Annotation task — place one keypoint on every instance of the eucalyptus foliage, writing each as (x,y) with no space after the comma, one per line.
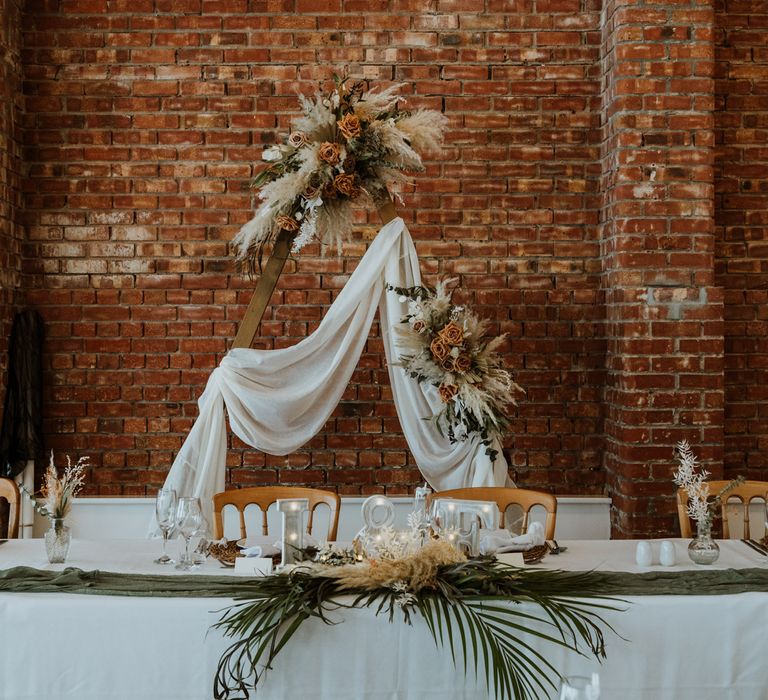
(473,609)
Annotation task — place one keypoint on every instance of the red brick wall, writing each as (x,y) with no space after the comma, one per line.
(143,122)
(742,228)
(10,172)
(582,200)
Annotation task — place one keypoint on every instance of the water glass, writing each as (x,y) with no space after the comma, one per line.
(189,518)
(580,688)
(165,512)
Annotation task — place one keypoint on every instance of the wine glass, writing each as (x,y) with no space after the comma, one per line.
(165,512)
(580,688)
(189,517)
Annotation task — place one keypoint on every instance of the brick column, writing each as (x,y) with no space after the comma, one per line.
(664,314)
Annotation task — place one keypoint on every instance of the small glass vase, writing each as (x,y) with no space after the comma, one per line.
(57,540)
(703,549)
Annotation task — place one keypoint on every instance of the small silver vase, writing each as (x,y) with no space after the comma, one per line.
(57,540)
(703,549)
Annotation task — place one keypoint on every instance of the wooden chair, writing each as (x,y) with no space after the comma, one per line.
(744,494)
(10,492)
(504,497)
(265,496)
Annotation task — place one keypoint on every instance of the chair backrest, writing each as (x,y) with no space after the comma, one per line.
(265,496)
(10,492)
(744,493)
(504,497)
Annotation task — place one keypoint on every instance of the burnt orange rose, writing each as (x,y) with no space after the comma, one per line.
(346,185)
(419,326)
(350,126)
(448,364)
(439,349)
(447,392)
(451,334)
(287,223)
(329,153)
(462,363)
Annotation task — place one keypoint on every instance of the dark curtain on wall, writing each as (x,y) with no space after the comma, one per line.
(21,433)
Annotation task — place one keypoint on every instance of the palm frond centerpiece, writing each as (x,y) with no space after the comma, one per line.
(474,608)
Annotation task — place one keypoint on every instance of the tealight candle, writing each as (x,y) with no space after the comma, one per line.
(292,539)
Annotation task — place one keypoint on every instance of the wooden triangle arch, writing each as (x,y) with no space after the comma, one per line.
(268,280)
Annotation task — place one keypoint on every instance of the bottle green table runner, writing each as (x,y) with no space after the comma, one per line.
(24,579)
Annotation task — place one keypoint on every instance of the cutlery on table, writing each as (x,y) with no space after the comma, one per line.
(554,547)
(754,546)
(760,546)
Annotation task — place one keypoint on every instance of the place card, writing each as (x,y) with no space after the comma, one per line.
(511,558)
(253,566)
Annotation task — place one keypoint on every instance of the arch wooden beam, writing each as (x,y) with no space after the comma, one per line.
(246,332)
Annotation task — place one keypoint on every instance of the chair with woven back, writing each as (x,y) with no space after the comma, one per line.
(527,499)
(743,493)
(265,496)
(10,493)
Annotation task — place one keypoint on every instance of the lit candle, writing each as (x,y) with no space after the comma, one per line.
(292,539)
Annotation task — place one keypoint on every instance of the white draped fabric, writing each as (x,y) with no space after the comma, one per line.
(277,400)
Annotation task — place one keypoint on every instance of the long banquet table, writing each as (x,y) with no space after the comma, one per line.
(95,647)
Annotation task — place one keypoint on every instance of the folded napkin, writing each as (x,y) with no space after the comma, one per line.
(504,541)
(270,550)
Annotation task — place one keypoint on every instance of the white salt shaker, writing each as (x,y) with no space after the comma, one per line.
(643,554)
(667,556)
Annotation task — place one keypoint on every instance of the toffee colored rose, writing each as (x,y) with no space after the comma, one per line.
(346,185)
(462,363)
(447,392)
(451,334)
(439,349)
(350,126)
(287,223)
(310,192)
(297,139)
(329,153)
(419,326)
(448,364)
(329,192)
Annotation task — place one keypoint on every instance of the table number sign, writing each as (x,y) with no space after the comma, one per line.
(460,521)
(292,538)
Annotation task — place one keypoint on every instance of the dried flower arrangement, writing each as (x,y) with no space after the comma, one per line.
(57,493)
(350,143)
(701,507)
(444,345)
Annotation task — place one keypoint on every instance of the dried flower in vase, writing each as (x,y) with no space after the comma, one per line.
(702,507)
(58,492)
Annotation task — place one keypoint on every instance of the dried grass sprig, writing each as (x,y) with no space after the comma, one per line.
(691,477)
(58,492)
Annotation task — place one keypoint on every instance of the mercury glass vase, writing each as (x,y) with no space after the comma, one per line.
(703,549)
(57,540)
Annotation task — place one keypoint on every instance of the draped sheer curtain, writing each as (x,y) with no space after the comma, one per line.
(277,400)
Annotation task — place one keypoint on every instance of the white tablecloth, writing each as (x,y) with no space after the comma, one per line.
(117,648)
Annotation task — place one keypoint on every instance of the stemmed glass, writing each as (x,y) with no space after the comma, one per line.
(580,688)
(165,512)
(189,518)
